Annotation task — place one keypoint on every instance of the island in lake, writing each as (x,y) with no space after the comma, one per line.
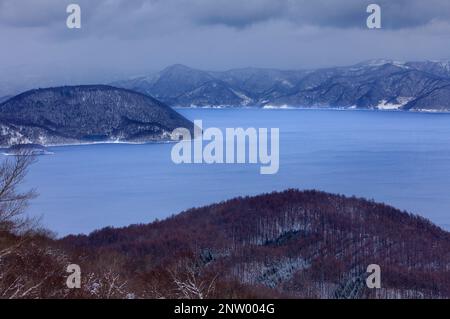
(86,114)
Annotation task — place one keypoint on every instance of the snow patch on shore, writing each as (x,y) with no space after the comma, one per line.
(384,105)
(271,107)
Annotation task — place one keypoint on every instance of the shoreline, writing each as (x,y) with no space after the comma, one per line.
(258,108)
(284,108)
(442,226)
(2,147)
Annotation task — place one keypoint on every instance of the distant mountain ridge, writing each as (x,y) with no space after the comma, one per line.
(375,84)
(84,114)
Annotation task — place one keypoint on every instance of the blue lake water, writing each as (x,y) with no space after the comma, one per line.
(402,159)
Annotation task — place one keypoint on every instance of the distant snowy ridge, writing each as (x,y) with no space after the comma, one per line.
(376,84)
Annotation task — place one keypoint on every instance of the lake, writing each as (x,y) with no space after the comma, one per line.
(399,158)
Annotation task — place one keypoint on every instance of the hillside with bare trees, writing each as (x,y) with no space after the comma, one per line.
(292,244)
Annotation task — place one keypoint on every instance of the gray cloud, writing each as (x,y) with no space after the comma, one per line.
(237,13)
(132,37)
(231,13)
(325,13)
(29,14)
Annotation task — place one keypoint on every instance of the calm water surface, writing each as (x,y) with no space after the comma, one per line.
(402,159)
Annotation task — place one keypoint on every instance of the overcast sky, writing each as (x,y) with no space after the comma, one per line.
(133,37)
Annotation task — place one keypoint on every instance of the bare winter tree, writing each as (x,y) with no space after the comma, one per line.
(25,267)
(13,202)
(33,270)
(189,282)
(105,281)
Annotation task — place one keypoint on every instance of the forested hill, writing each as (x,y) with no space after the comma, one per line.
(85,114)
(291,244)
